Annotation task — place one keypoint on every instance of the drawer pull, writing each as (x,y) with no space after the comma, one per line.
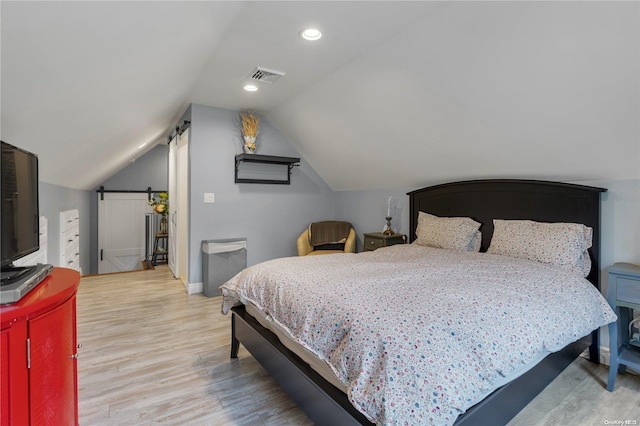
(69,241)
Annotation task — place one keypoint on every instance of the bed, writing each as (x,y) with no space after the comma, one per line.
(327,402)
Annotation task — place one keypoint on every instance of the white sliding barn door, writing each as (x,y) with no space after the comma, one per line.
(173,204)
(179,206)
(121,231)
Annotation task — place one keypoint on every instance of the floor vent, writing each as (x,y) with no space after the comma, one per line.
(265,75)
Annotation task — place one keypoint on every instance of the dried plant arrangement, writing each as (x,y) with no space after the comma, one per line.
(249,123)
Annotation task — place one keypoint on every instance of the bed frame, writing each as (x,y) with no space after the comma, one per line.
(482,200)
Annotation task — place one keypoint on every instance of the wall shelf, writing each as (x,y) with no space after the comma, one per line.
(290,162)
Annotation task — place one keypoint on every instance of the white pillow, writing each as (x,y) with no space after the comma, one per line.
(562,244)
(452,233)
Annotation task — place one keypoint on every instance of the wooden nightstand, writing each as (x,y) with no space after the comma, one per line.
(375,240)
(623,295)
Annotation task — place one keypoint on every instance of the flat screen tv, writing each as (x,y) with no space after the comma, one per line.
(19,207)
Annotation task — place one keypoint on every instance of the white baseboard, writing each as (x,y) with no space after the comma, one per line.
(605,356)
(194,288)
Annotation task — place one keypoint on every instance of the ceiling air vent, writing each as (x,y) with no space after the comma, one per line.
(265,75)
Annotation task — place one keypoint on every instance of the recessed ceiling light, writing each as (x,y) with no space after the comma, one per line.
(250,87)
(311,34)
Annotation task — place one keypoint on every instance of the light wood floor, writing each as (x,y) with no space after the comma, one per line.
(153,354)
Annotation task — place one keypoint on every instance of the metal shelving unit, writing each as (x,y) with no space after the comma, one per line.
(290,162)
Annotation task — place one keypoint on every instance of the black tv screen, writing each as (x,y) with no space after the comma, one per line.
(19,207)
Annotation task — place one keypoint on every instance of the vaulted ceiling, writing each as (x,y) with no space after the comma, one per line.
(394,95)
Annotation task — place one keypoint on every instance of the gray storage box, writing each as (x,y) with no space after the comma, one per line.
(221,261)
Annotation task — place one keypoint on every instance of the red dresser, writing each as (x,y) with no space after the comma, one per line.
(38,354)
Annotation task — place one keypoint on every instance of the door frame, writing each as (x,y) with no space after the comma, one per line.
(173,203)
(182,207)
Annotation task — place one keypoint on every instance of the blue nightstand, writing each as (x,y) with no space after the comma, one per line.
(623,294)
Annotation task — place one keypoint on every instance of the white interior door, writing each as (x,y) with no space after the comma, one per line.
(173,203)
(121,223)
(182,214)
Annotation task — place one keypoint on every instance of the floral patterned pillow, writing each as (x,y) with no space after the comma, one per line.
(452,233)
(562,244)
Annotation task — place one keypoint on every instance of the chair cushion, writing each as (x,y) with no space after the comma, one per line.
(316,252)
(328,232)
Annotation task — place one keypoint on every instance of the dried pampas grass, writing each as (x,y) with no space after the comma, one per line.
(249,123)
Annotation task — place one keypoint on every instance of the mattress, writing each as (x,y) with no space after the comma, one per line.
(307,356)
(321,367)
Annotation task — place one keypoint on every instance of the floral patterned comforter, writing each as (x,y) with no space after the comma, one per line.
(418,335)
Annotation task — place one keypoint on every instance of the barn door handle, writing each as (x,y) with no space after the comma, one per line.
(101,253)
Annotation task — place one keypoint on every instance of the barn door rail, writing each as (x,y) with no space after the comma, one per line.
(179,131)
(148,191)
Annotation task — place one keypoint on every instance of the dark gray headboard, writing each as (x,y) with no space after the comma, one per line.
(485,200)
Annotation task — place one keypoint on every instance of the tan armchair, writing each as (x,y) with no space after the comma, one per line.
(306,249)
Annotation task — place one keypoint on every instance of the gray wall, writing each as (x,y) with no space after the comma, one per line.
(620,210)
(270,216)
(55,199)
(367,209)
(150,170)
